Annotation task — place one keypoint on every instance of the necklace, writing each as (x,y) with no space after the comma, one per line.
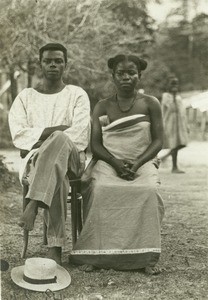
(128,108)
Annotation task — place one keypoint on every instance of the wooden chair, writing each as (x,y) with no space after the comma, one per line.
(74,198)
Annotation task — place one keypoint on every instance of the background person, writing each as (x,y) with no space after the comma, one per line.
(175,124)
(122,207)
(52,123)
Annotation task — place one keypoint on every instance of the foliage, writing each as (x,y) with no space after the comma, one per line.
(200,51)
(5,136)
(7,179)
(182,45)
(91,30)
(94,30)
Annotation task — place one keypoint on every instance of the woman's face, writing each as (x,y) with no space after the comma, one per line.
(126,76)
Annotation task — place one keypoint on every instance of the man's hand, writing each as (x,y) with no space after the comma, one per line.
(49,130)
(37,145)
(23,153)
(61,127)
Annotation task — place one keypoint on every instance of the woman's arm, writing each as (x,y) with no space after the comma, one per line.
(98,150)
(156,134)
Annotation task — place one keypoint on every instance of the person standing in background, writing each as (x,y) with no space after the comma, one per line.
(175,124)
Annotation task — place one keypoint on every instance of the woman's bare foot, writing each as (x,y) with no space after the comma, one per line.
(55,254)
(29,215)
(177,171)
(152,270)
(87,268)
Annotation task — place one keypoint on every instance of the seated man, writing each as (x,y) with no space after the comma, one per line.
(52,123)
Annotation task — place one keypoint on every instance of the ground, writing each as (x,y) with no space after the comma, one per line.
(184,243)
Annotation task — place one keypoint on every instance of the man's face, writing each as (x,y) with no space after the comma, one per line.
(53,64)
(126,76)
(173,86)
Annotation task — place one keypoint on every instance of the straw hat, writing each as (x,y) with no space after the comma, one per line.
(40,274)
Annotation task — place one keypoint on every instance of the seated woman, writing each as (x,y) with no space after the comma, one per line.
(122,207)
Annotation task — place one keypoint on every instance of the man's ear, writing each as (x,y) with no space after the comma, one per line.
(112,77)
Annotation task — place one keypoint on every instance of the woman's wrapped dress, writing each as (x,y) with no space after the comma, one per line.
(122,219)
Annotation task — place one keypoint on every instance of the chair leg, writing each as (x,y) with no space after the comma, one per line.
(79,214)
(74,213)
(25,232)
(25,243)
(45,242)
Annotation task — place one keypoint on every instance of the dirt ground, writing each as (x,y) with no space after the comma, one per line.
(184,243)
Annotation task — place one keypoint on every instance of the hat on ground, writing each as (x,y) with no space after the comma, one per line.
(40,274)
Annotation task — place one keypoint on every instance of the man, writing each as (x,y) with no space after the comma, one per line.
(52,123)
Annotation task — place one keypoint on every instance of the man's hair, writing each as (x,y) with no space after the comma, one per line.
(53,47)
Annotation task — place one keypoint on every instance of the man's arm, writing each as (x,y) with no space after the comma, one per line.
(79,131)
(26,137)
(23,135)
(49,130)
(46,133)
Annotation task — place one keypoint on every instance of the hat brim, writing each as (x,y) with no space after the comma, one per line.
(63,280)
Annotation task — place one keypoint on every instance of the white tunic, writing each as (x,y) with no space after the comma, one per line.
(32,112)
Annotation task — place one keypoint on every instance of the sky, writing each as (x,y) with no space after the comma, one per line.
(160,11)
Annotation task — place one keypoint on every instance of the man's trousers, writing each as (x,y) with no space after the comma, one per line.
(48,182)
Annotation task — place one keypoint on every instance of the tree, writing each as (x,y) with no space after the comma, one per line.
(182,46)
(92,31)
(200,51)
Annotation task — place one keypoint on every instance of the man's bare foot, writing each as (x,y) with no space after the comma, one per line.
(177,171)
(28,218)
(87,268)
(152,270)
(55,254)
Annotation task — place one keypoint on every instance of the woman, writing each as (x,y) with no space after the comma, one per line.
(122,208)
(174,116)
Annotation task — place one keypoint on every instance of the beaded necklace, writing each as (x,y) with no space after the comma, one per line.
(127,109)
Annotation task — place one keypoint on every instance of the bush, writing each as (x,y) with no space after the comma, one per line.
(7,179)
(5,136)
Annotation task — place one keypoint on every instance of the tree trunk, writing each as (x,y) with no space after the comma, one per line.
(29,80)
(30,72)
(13,87)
